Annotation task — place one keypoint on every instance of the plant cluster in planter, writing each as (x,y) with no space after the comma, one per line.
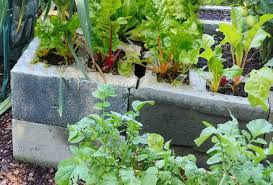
(170,38)
(108,149)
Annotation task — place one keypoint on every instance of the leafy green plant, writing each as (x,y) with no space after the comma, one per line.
(55,31)
(171,35)
(237,155)
(108,149)
(261,7)
(242,39)
(258,87)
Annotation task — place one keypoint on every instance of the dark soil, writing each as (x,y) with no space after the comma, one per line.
(172,76)
(54,59)
(218,15)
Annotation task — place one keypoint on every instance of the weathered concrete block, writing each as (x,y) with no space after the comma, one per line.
(211,26)
(179,111)
(41,144)
(36,91)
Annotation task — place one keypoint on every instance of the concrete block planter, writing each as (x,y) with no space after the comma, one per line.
(36,87)
(35,94)
(179,111)
(210,24)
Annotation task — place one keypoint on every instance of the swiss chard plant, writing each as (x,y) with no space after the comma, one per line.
(105,26)
(171,35)
(54,33)
(108,149)
(242,39)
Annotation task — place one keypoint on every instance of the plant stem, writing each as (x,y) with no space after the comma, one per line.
(222,181)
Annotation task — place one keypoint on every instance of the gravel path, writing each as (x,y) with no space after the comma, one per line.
(14,172)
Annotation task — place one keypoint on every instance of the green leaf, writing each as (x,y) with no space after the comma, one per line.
(138,105)
(84,17)
(104,91)
(205,134)
(232,35)
(155,142)
(70,171)
(259,127)
(255,35)
(150,176)
(258,87)
(207,41)
(5,105)
(234,71)
(102,106)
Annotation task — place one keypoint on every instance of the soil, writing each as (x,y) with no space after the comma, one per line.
(171,76)
(219,15)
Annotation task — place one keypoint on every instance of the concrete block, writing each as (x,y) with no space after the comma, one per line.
(36,91)
(179,111)
(38,143)
(211,26)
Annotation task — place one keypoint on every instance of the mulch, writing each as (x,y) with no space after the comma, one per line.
(13,172)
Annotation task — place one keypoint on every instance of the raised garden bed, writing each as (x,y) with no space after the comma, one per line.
(35,96)
(179,111)
(41,91)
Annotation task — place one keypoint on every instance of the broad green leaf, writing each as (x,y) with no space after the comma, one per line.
(207,41)
(234,71)
(258,87)
(138,105)
(70,171)
(150,176)
(155,142)
(259,127)
(205,134)
(255,35)
(232,35)
(237,18)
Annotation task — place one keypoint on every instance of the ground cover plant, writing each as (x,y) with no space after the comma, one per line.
(109,149)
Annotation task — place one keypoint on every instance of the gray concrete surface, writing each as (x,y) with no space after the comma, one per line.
(41,144)
(35,91)
(179,111)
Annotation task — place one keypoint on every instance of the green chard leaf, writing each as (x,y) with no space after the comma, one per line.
(258,87)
